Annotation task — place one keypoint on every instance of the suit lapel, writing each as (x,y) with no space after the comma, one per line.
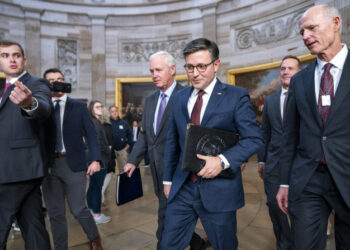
(309,87)
(153,107)
(343,90)
(167,109)
(215,98)
(276,105)
(186,95)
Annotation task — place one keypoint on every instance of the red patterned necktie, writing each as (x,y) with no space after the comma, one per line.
(326,89)
(196,119)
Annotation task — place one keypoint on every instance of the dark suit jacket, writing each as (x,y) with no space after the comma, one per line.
(305,140)
(20,153)
(153,143)
(272,132)
(77,123)
(229,109)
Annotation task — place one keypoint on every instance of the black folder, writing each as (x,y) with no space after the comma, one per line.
(128,189)
(206,141)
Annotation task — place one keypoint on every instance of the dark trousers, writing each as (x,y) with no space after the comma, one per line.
(23,201)
(181,218)
(94,193)
(309,214)
(279,220)
(62,182)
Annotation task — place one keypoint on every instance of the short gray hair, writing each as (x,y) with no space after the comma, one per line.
(169,59)
(331,12)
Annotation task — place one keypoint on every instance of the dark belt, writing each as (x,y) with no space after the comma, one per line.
(60,154)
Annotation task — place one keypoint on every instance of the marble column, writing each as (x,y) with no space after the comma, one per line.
(98,65)
(32,41)
(209,21)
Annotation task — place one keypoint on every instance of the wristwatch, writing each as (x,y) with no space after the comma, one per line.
(222,164)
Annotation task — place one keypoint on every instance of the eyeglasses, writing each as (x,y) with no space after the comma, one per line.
(200,67)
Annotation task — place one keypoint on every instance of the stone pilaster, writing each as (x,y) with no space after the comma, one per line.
(209,21)
(32,41)
(98,65)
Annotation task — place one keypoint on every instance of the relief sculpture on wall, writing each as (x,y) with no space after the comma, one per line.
(67,60)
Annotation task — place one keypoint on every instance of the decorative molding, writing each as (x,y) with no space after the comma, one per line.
(139,51)
(269,32)
(67,60)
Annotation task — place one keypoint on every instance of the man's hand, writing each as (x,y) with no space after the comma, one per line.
(21,95)
(282,199)
(261,170)
(167,190)
(211,168)
(129,168)
(244,164)
(93,168)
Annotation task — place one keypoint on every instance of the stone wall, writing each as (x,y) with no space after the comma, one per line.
(95,41)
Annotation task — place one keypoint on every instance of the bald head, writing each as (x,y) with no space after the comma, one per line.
(320,28)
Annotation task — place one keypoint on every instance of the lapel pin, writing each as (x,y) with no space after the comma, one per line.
(219,93)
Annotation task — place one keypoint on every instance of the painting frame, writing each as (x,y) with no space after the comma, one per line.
(119,82)
(261,80)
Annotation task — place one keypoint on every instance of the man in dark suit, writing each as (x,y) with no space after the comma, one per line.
(315,162)
(212,104)
(155,121)
(69,128)
(270,154)
(24,105)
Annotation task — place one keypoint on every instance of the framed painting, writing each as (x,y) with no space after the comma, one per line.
(261,80)
(130,94)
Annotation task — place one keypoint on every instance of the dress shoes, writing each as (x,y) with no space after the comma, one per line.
(96,244)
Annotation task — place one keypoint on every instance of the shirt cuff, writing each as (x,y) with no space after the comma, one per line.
(226,163)
(285,186)
(33,107)
(167,182)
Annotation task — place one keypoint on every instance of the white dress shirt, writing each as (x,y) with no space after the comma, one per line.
(62,103)
(282,98)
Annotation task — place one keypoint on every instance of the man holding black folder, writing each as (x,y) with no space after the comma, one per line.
(212,104)
(152,138)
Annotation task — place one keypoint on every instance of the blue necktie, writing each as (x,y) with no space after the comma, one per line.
(161,109)
(57,113)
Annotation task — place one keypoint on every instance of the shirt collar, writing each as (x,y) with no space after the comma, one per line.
(283,91)
(13,80)
(169,91)
(62,98)
(338,61)
(208,90)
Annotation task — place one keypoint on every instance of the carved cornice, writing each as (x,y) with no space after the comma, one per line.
(269,32)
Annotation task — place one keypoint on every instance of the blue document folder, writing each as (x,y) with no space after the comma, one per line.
(128,189)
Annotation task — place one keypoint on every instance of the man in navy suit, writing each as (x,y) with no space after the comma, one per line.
(24,105)
(213,104)
(315,162)
(69,128)
(270,154)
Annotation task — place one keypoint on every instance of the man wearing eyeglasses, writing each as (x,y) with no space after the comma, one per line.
(213,104)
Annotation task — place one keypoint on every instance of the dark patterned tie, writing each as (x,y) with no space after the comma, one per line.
(57,113)
(326,88)
(196,119)
(162,106)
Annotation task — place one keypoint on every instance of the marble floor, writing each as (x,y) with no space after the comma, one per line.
(134,224)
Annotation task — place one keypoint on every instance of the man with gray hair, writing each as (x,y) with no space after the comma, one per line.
(315,160)
(155,123)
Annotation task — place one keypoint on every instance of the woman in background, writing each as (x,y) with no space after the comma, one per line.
(93,196)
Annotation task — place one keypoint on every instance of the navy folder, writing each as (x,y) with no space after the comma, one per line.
(128,189)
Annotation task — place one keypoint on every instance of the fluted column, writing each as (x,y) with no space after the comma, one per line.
(209,21)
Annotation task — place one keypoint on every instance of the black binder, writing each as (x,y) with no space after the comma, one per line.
(206,141)
(128,189)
